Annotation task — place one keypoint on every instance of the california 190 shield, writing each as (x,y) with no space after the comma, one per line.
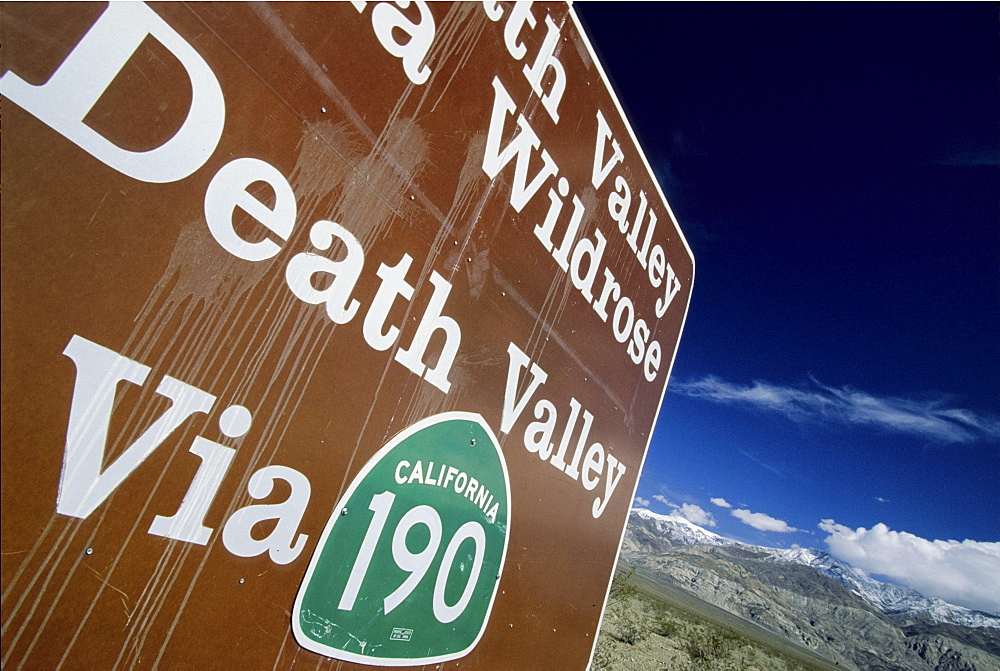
(409,563)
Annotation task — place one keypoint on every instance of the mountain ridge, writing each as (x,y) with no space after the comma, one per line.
(812,599)
(888,598)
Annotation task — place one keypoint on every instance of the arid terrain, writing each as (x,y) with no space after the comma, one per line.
(647,627)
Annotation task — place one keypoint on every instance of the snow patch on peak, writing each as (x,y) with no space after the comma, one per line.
(681,530)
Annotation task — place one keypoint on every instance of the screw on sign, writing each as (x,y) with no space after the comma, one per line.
(408,566)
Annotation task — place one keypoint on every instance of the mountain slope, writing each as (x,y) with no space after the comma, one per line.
(812,599)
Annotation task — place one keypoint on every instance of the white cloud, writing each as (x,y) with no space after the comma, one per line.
(722,503)
(643,503)
(762,521)
(965,573)
(688,511)
(696,514)
(932,420)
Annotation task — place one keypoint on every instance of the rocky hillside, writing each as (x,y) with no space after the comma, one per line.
(813,600)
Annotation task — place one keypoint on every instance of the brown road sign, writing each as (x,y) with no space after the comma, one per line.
(333,334)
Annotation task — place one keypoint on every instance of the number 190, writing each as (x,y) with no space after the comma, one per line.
(416,564)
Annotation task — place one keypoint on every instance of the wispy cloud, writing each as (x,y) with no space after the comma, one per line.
(762,521)
(779,470)
(664,500)
(965,573)
(641,502)
(722,503)
(933,420)
(973,158)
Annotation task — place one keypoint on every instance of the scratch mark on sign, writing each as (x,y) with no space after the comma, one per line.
(274,23)
(555,337)
(253,610)
(124,596)
(97,209)
(46,563)
(457,35)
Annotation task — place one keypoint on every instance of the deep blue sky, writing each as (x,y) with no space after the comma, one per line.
(835,171)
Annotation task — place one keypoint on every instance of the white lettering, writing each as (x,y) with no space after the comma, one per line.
(521,146)
(513,406)
(546,60)
(520,14)
(593,463)
(417,474)
(652,365)
(416,41)
(538,435)
(603,168)
(393,284)
(544,230)
(673,286)
(574,412)
(561,255)
(622,329)
(82,484)
(637,346)
(302,267)
(228,190)
(593,250)
(187,524)
(616,470)
(611,290)
(431,321)
(399,467)
(283,544)
(64,101)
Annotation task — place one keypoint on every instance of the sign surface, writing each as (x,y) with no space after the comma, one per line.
(269,271)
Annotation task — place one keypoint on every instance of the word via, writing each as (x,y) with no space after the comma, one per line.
(83,485)
(587,464)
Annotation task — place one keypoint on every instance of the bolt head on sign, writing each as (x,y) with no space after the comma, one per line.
(408,566)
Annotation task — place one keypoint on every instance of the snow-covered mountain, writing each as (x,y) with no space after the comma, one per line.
(889,598)
(654,532)
(678,530)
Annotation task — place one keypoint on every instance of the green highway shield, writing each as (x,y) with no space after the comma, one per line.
(409,564)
